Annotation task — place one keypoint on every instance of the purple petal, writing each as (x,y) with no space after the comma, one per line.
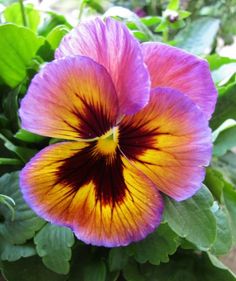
(169,141)
(110,44)
(71,98)
(177,69)
(106,203)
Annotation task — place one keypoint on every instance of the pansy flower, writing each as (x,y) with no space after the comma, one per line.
(133,120)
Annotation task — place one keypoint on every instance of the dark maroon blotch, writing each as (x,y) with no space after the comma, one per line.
(107,176)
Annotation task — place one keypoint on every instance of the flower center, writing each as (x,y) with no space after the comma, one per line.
(108,142)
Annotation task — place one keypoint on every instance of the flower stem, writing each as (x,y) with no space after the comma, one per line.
(23,14)
(81,9)
(165,35)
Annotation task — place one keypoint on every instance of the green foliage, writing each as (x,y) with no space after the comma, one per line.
(226,165)
(18,46)
(149,249)
(25,223)
(95,271)
(225,107)
(56,34)
(229,195)
(199,36)
(173,5)
(225,193)
(193,232)
(225,141)
(88,264)
(9,161)
(53,244)
(132,272)
(51,21)
(29,269)
(224,73)
(24,153)
(118,258)
(134,23)
(11,252)
(223,241)
(12,14)
(186,266)
(28,136)
(190,217)
(215,61)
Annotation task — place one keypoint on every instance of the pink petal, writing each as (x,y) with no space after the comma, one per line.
(106,203)
(110,44)
(71,98)
(177,69)
(169,141)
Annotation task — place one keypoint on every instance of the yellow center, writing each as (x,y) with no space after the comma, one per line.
(108,142)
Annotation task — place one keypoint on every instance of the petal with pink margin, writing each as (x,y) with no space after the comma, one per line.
(169,141)
(106,203)
(174,68)
(110,44)
(71,98)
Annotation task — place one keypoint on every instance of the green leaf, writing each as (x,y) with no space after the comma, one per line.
(95,271)
(189,218)
(173,5)
(10,108)
(53,244)
(225,107)
(88,264)
(28,136)
(12,14)
(216,270)
(3,121)
(151,20)
(25,222)
(223,74)
(18,46)
(51,20)
(187,266)
(56,34)
(223,240)
(10,161)
(11,252)
(179,24)
(6,154)
(140,36)
(24,153)
(184,14)
(118,258)
(176,270)
(226,165)
(9,202)
(162,26)
(225,141)
(198,37)
(81,257)
(132,273)
(95,5)
(229,194)
(215,182)
(224,126)
(29,269)
(215,61)
(112,276)
(46,53)
(130,17)
(186,245)
(149,249)
(225,194)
